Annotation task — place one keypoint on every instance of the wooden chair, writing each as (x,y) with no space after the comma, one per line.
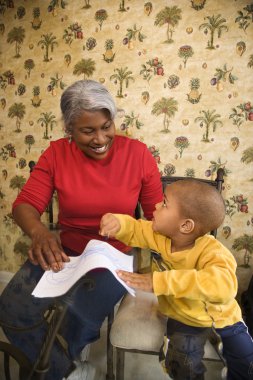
(139,328)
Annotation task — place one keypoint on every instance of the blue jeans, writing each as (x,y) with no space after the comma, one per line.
(185,351)
(238,351)
(86,313)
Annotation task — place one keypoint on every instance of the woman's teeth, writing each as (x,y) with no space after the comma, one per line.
(101,149)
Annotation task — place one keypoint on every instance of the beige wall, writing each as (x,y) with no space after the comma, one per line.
(175,72)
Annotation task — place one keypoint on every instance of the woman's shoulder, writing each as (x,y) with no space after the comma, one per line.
(56,148)
(60,143)
(124,141)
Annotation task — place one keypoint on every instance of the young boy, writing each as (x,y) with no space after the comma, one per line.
(193,276)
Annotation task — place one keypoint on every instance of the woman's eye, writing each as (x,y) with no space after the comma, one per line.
(164,203)
(87,133)
(107,126)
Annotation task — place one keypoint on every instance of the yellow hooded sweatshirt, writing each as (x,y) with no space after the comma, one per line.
(196,286)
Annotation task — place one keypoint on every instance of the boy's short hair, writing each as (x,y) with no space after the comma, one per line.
(200,202)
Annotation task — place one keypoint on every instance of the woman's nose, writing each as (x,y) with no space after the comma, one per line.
(100,138)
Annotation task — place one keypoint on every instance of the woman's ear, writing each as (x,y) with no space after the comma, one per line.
(187,226)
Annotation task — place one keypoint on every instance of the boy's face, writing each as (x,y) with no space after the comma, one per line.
(166,216)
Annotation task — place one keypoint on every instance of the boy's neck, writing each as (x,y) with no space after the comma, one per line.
(182,243)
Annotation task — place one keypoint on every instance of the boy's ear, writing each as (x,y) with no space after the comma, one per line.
(187,226)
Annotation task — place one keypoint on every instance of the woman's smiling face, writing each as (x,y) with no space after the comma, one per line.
(93,133)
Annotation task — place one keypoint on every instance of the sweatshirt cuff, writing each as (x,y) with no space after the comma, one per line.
(123,221)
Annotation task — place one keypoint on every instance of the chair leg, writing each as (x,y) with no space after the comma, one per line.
(109,374)
(120,365)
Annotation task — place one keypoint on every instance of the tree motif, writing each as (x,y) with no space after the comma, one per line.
(185,52)
(17,110)
(16,35)
(244,243)
(29,66)
(17,182)
(122,75)
(198,4)
(8,220)
(47,120)
(48,41)
(122,6)
(181,143)
(21,248)
(250,63)
(208,120)
(247,155)
(87,4)
(85,67)
(21,12)
(10,77)
(167,107)
(171,17)
(215,23)
(100,16)
(29,140)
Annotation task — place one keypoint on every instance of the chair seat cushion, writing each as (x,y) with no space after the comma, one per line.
(138,324)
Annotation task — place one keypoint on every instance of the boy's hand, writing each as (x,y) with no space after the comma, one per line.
(109,225)
(138,281)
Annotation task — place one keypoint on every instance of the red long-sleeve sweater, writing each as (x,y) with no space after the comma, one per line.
(89,188)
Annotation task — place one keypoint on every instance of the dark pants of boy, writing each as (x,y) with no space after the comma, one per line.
(185,351)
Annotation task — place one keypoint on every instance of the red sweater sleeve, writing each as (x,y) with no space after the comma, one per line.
(39,187)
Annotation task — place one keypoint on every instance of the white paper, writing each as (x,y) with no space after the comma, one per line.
(97,254)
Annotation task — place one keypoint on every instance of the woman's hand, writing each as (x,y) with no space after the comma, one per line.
(109,225)
(46,250)
(136,280)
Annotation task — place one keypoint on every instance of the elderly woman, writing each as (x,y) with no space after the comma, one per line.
(93,171)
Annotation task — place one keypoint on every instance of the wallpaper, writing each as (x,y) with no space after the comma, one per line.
(181,74)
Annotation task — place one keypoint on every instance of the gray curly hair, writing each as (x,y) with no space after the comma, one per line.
(85,95)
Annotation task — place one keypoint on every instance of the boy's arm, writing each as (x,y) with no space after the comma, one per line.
(132,232)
